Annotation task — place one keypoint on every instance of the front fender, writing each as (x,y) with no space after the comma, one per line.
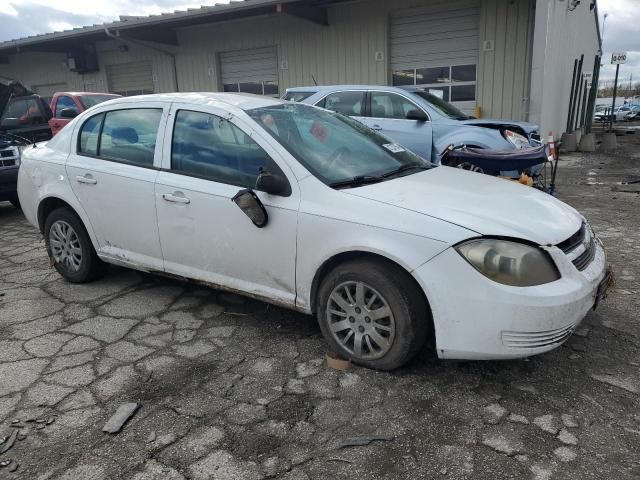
(480,137)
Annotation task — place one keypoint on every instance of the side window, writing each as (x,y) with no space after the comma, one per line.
(129,136)
(64,102)
(89,134)
(346,103)
(390,105)
(211,147)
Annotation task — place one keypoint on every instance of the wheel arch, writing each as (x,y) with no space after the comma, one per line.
(51,203)
(342,257)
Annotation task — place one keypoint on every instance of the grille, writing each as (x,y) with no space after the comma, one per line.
(574,240)
(7,163)
(6,153)
(583,260)
(526,340)
(582,237)
(536,136)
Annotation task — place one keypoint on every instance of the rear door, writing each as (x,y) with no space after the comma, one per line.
(388,115)
(204,235)
(348,102)
(112,170)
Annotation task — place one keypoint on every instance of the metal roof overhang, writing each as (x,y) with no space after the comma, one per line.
(146,28)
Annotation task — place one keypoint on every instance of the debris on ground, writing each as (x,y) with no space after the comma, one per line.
(117,420)
(335,362)
(9,442)
(363,440)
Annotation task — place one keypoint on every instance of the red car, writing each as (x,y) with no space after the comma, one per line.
(67,105)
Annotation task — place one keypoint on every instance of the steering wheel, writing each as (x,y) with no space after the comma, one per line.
(335,156)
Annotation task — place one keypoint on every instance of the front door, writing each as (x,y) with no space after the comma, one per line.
(204,235)
(112,170)
(388,115)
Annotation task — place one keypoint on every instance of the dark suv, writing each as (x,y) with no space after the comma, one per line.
(23,120)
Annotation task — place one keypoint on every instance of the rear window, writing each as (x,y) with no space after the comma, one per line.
(127,136)
(297,96)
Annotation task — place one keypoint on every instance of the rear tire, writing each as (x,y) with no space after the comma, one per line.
(70,248)
(373,313)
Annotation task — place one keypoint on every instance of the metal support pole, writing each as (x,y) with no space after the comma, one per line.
(615,92)
(579,103)
(593,95)
(575,96)
(573,87)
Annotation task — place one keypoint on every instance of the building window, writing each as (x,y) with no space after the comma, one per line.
(269,88)
(454,83)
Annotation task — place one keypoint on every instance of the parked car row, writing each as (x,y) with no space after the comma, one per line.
(311,210)
(626,113)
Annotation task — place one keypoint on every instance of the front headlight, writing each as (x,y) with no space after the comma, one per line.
(509,263)
(517,140)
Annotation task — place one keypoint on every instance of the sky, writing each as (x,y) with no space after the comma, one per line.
(20,18)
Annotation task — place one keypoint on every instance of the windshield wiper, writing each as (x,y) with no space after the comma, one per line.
(356,181)
(405,168)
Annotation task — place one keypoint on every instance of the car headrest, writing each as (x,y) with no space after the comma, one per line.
(124,135)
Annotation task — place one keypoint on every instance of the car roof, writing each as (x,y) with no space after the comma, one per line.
(87,93)
(330,88)
(243,101)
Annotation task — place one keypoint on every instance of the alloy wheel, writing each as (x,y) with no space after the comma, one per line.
(361,320)
(65,245)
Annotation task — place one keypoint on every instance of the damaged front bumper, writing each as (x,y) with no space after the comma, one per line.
(478,319)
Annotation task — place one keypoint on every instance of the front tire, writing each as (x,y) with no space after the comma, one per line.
(373,313)
(70,249)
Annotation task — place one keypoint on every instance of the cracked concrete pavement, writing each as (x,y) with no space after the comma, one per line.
(236,389)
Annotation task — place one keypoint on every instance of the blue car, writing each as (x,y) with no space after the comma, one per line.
(417,120)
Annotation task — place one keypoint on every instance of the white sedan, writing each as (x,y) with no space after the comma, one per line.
(307,209)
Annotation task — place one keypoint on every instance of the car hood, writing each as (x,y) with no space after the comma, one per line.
(481,203)
(529,128)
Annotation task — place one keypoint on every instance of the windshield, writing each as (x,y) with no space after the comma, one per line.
(333,147)
(89,101)
(444,108)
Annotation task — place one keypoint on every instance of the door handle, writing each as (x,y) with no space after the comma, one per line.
(376,127)
(87,178)
(175,197)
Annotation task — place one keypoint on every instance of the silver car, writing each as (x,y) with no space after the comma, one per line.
(416,119)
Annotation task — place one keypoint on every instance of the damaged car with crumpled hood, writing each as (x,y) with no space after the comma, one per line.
(23,121)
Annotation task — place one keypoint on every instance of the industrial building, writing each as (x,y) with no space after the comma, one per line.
(511,59)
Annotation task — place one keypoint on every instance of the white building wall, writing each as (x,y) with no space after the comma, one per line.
(560,37)
(342,52)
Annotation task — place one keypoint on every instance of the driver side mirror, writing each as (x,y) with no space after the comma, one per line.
(273,184)
(417,115)
(252,207)
(68,113)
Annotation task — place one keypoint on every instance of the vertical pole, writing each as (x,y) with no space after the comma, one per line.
(575,96)
(583,116)
(573,87)
(578,103)
(593,95)
(615,92)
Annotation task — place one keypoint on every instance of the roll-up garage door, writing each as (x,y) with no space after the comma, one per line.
(436,46)
(133,78)
(251,70)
